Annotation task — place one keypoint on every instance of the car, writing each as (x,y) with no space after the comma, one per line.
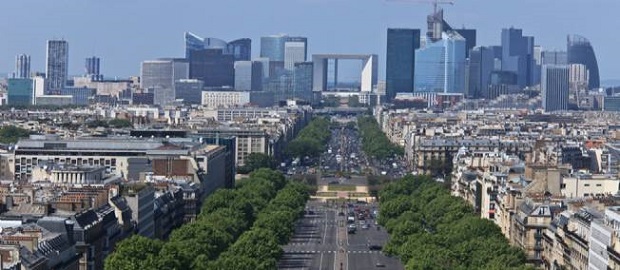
(341,214)
(379,265)
(365,226)
(375,247)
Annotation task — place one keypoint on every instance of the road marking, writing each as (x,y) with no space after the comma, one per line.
(321,261)
(325,228)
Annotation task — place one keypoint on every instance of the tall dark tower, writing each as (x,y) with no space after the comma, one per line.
(580,51)
(400,66)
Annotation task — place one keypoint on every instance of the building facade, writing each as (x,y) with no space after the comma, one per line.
(580,51)
(57,64)
(22,66)
(159,77)
(92,68)
(189,90)
(481,64)
(440,66)
(20,92)
(518,55)
(248,76)
(295,51)
(400,61)
(215,99)
(555,87)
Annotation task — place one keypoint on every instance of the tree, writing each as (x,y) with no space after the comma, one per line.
(120,123)
(11,134)
(331,101)
(136,252)
(430,229)
(255,161)
(354,101)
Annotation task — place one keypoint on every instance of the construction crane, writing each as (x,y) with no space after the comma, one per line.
(435,3)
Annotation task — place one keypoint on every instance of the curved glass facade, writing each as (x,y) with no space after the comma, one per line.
(192,42)
(580,51)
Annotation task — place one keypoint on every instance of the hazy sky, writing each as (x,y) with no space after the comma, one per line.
(125,32)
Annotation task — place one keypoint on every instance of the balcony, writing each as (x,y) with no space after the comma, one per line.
(538,235)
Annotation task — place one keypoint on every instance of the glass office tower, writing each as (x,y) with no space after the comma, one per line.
(400,62)
(440,66)
(580,51)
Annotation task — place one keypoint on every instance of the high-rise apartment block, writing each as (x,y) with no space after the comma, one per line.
(555,87)
(57,67)
(400,62)
(159,77)
(22,66)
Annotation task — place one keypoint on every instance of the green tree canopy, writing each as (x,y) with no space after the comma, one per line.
(11,134)
(136,252)
(430,229)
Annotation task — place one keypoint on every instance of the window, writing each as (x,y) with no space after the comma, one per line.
(598,185)
(586,185)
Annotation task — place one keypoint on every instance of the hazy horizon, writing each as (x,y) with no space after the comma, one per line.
(124,33)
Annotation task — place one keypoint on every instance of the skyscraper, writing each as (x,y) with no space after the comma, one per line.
(241,49)
(159,77)
(400,62)
(440,66)
(555,87)
(470,38)
(518,55)
(19,92)
(554,58)
(481,64)
(22,66)
(91,68)
(189,90)
(302,81)
(212,66)
(211,60)
(248,75)
(580,51)
(57,64)
(294,52)
(272,47)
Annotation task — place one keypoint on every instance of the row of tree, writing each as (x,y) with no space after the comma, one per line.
(114,123)
(430,229)
(311,140)
(374,141)
(11,134)
(259,248)
(224,217)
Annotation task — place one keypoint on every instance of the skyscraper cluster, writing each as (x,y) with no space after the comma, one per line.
(447,61)
(217,65)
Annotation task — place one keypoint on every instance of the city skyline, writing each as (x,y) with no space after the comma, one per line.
(122,47)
